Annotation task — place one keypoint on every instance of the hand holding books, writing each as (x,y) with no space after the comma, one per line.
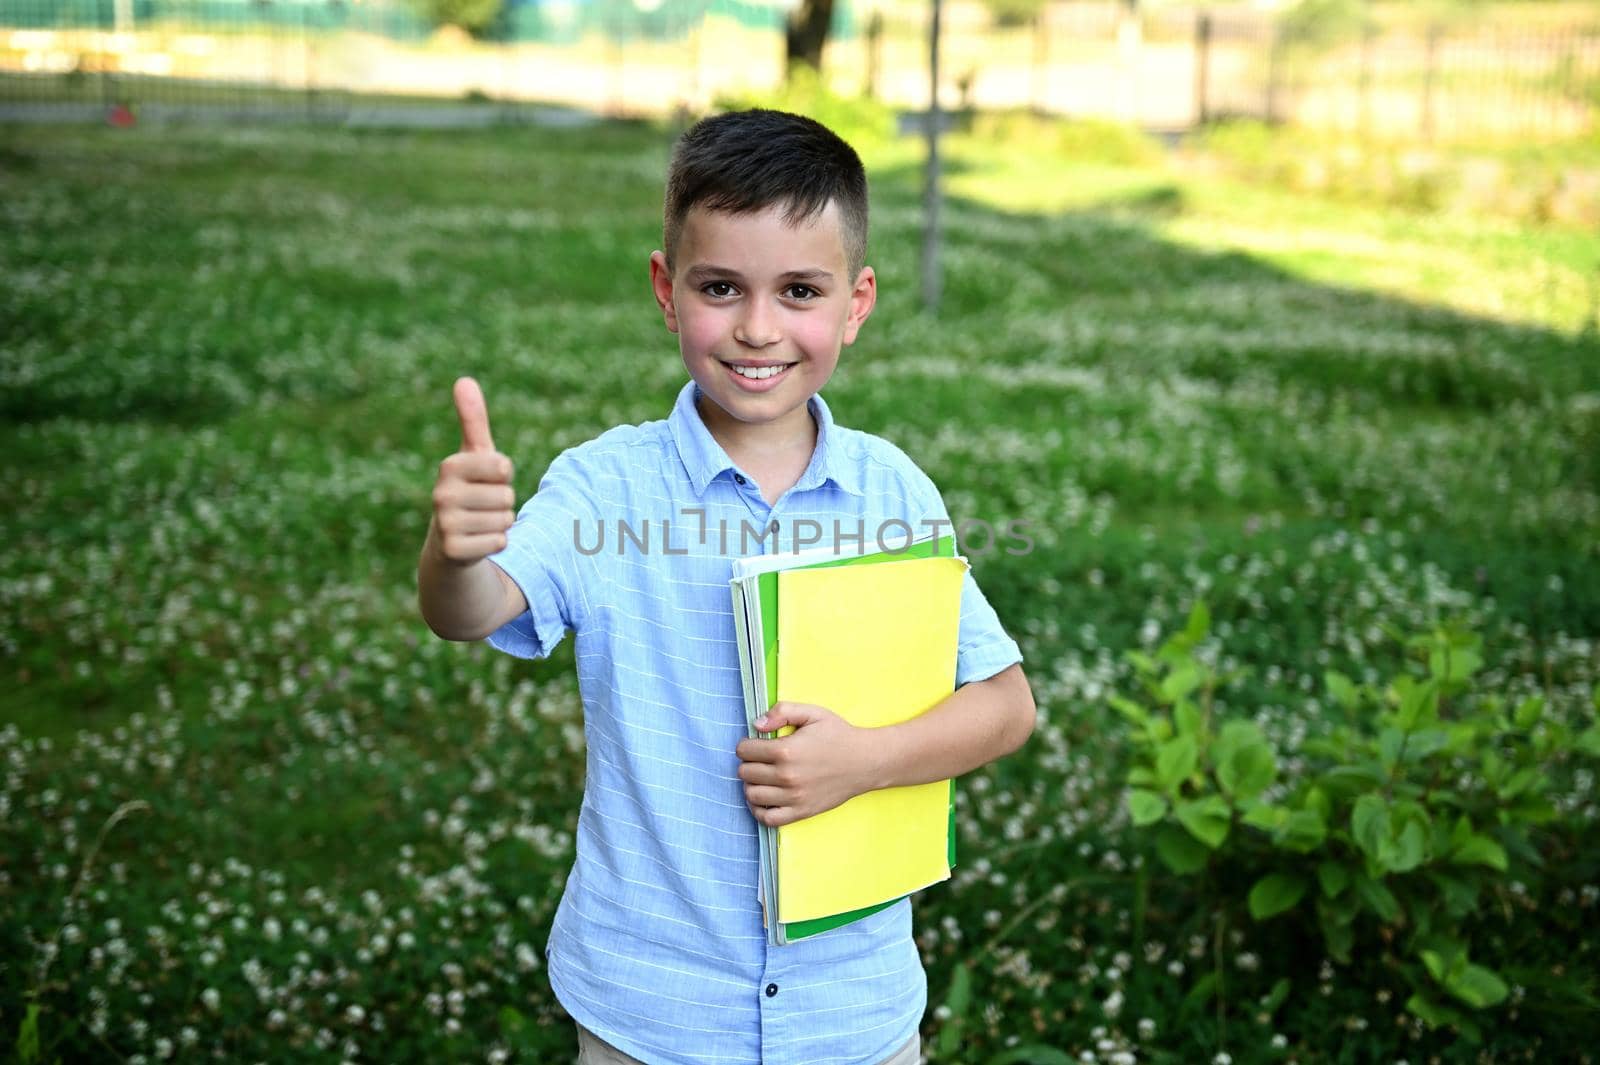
(823,762)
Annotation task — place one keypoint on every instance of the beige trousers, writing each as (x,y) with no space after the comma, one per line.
(592,1050)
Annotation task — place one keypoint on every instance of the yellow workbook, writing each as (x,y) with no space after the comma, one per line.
(876,644)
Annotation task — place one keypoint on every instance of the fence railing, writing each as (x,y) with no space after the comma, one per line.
(1171,68)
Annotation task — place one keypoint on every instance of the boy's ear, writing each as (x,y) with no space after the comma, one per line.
(863,297)
(661,285)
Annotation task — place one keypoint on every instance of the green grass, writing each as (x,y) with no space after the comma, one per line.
(226,359)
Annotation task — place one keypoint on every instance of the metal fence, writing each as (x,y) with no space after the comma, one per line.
(1168,68)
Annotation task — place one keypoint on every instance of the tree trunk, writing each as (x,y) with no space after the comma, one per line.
(807,31)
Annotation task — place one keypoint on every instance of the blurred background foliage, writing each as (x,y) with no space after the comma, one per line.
(1331,370)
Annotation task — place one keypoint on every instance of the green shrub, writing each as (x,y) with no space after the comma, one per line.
(863,122)
(474,16)
(1426,801)
(1082,140)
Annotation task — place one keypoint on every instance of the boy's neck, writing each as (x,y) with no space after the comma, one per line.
(758,447)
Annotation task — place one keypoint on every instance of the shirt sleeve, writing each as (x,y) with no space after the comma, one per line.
(982,647)
(542,555)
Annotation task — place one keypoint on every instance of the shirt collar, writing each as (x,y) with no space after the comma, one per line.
(703,458)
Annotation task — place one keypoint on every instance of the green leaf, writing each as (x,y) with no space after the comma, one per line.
(1317,801)
(1245,763)
(1369,824)
(1199,622)
(1207,819)
(1276,996)
(1180,682)
(1201,993)
(1521,781)
(1439,964)
(1528,712)
(512,1023)
(1390,740)
(1379,899)
(959,997)
(956,1000)
(1146,807)
(1130,709)
(1588,741)
(1453,663)
(28,1036)
(1460,896)
(1480,850)
(1478,987)
(1343,691)
(1351,779)
(1433,1014)
(1333,877)
(1180,851)
(1275,893)
(1303,832)
(1033,1054)
(1419,702)
(1337,934)
(1187,717)
(1264,815)
(1175,761)
(1409,849)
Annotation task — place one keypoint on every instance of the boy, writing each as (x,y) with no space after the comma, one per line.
(657,949)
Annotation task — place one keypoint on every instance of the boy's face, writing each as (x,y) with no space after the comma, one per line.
(751,292)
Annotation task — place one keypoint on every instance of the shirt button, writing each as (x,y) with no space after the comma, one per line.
(739,477)
(772,989)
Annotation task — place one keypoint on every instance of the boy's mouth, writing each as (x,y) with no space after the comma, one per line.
(758,371)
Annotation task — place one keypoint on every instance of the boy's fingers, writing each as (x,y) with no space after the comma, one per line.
(474,415)
(481,467)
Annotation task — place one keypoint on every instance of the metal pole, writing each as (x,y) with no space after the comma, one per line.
(930,188)
(1202,68)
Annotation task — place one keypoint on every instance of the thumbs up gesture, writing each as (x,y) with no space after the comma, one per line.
(473,501)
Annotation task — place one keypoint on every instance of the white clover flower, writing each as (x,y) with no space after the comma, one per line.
(211,998)
(1113,1004)
(1147,1028)
(1222,1058)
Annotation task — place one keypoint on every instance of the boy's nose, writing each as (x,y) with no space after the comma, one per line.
(757,329)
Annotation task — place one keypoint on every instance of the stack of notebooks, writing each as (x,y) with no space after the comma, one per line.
(872,637)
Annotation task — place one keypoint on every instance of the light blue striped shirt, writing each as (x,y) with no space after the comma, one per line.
(657,946)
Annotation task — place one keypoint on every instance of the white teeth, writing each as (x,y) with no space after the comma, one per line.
(758,373)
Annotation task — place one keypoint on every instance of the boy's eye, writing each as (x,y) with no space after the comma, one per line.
(718,289)
(801,292)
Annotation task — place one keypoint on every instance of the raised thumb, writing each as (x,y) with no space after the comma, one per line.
(474,415)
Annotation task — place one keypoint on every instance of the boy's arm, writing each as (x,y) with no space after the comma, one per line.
(464,602)
(461,594)
(827,761)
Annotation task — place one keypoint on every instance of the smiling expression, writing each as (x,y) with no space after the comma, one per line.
(762,308)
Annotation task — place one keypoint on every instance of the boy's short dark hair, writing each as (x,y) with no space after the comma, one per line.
(748,160)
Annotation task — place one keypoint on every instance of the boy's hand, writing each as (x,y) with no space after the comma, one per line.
(473,503)
(824,762)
